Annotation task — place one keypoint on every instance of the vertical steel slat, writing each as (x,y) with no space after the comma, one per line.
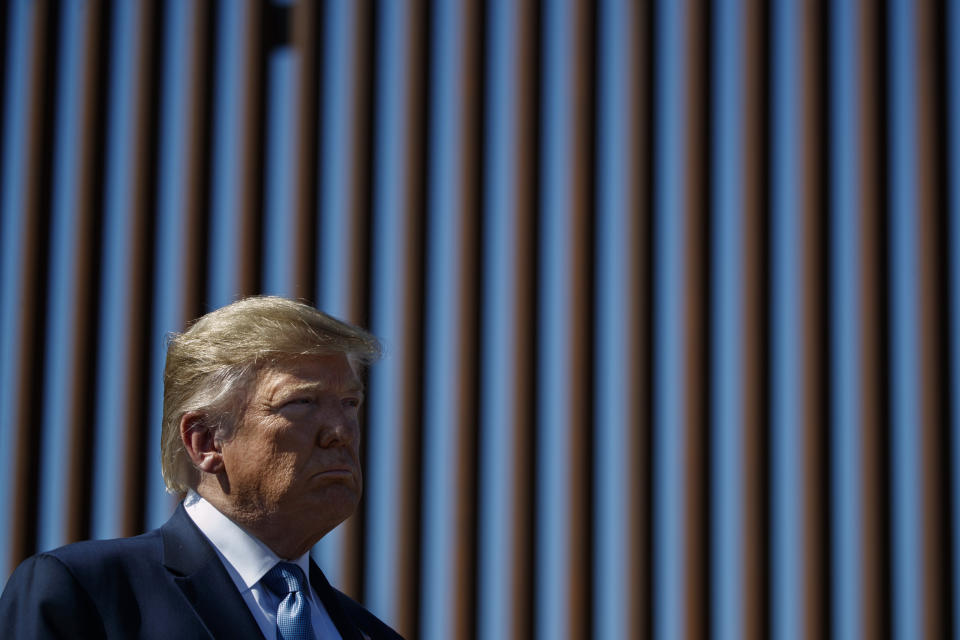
(16,54)
(89,207)
(906,426)
(953,217)
(505,493)
(118,459)
(755,391)
(197,173)
(618,383)
(183,193)
(581,279)
(279,229)
(305,23)
(358,262)
(814,277)
(788,542)
(110,428)
(697,309)
(642,160)
(341,253)
(50,501)
(448,368)
(230,208)
(412,313)
(669,353)
(465,505)
(238,187)
(64,502)
(470,284)
(143,210)
(562,402)
(845,351)
(36,158)
(727,419)
(932,273)
(7,31)
(15,47)
(874,556)
(248,217)
(392,579)
(526,203)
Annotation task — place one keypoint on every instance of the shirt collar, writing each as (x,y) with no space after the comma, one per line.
(251,558)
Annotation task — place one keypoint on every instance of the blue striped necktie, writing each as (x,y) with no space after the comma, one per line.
(287,581)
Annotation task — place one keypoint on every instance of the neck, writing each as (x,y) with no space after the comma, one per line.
(288,542)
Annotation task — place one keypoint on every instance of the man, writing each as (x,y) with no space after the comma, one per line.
(261,441)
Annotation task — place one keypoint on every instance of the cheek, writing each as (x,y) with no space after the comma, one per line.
(268,464)
(285,465)
(277,478)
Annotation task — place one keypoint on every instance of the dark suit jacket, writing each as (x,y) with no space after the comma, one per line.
(168,583)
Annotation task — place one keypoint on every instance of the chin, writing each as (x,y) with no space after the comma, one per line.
(336,501)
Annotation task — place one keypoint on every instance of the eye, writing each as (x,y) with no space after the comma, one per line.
(298,401)
(351,403)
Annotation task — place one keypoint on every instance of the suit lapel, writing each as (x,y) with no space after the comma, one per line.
(348,630)
(204,581)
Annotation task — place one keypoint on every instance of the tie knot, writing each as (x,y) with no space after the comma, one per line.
(284,578)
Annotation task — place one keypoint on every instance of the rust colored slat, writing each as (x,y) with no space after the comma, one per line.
(249,217)
(140,242)
(580,279)
(527,204)
(418,23)
(361,170)
(816,375)
(39,145)
(464,619)
(934,344)
(358,253)
(697,311)
(198,159)
(357,267)
(85,274)
(305,26)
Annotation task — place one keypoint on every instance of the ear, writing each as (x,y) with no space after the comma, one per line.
(200,443)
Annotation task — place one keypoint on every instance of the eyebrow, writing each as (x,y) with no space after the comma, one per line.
(354,387)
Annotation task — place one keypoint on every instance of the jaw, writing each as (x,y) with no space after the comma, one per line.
(290,531)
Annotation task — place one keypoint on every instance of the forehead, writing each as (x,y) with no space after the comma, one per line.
(334,371)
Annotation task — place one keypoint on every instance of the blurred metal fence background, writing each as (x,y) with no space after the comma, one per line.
(670,292)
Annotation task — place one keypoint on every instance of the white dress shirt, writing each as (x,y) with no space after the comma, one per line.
(247,560)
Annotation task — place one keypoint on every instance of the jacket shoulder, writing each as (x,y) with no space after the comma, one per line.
(105,557)
(368,623)
(43,598)
(84,576)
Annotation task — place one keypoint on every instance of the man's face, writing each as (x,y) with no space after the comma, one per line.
(294,459)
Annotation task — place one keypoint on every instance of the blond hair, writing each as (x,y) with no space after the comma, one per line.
(210,365)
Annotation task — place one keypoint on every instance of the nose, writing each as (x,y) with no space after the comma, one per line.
(337,430)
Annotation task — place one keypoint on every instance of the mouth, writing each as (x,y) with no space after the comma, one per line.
(336,472)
